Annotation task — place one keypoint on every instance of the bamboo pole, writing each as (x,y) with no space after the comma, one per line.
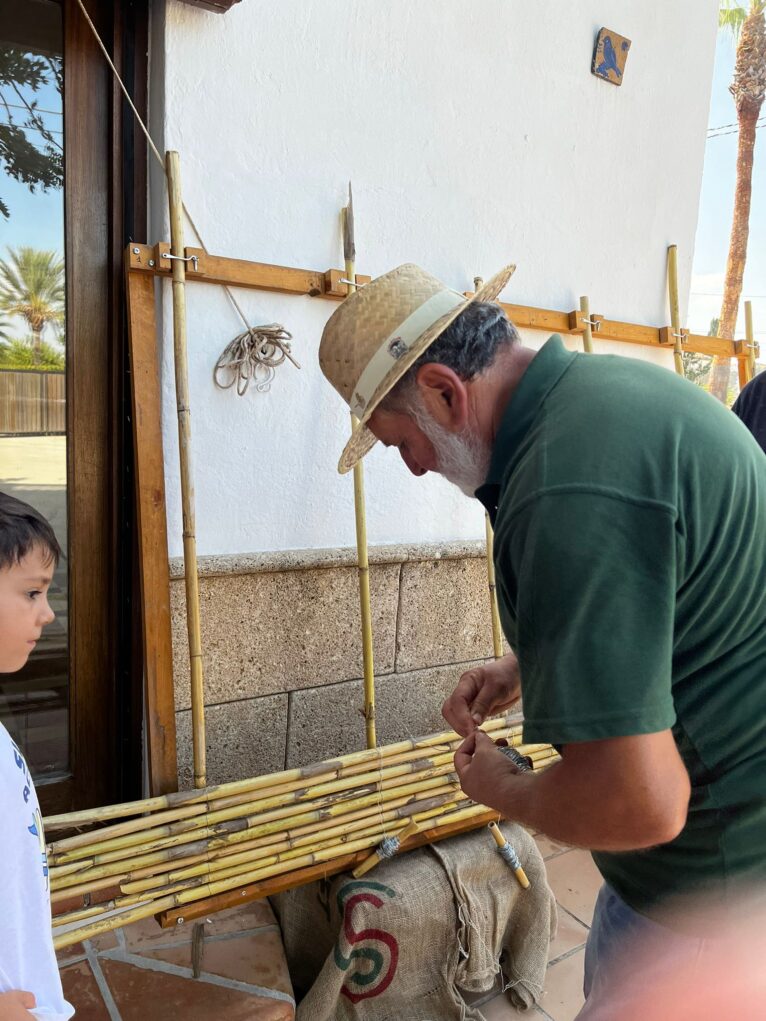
(360,515)
(127,809)
(587,334)
(750,340)
(509,855)
(142,907)
(675,313)
(269,822)
(267,814)
(143,865)
(405,800)
(380,854)
(178,267)
(374,781)
(497,631)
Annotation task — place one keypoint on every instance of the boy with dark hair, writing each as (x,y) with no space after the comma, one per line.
(30,986)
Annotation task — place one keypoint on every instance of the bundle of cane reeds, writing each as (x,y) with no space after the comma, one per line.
(179,848)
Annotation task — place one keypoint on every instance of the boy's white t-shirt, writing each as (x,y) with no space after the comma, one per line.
(27,959)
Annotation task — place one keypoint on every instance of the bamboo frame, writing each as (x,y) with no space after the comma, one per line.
(229,837)
(360,513)
(194,631)
(675,313)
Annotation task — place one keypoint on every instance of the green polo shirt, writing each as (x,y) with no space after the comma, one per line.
(630,549)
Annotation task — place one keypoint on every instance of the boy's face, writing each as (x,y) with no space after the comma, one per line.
(24,609)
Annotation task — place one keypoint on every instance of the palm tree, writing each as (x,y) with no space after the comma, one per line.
(32,287)
(748,88)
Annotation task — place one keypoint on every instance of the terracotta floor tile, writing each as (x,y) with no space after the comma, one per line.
(259,960)
(249,916)
(575,880)
(563,997)
(146,933)
(570,934)
(549,847)
(81,990)
(104,941)
(69,954)
(500,1009)
(152,996)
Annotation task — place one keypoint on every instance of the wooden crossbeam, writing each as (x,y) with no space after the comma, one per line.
(262,276)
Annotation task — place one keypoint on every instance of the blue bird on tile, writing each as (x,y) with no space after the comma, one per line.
(609,63)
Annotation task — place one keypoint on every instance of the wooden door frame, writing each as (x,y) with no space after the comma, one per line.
(104,206)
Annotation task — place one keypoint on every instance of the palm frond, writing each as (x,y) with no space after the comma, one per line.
(732,15)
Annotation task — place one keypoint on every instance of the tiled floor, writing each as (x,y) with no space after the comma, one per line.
(144,973)
(575,881)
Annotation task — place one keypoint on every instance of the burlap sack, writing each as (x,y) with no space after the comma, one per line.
(397,944)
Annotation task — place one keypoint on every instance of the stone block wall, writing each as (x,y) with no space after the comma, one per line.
(283,655)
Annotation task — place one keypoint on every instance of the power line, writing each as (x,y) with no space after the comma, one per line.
(31,127)
(735,130)
(36,109)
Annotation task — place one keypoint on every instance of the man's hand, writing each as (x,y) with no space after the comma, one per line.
(16,1005)
(484,772)
(484,690)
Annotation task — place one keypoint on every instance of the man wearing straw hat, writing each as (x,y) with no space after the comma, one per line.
(629,511)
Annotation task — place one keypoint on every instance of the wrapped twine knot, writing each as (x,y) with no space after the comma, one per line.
(388,847)
(252,357)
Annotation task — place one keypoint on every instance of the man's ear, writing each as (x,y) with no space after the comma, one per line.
(444,394)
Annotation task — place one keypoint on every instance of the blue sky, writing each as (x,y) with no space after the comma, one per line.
(712,242)
(38,219)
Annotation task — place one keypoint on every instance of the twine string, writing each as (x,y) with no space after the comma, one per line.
(252,357)
(279,341)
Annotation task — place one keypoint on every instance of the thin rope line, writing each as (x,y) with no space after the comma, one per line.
(161,162)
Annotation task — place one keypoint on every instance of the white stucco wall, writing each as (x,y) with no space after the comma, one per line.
(474,134)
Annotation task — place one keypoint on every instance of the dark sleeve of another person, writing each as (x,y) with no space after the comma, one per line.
(750,408)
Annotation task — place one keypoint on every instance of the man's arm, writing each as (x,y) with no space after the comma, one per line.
(619,794)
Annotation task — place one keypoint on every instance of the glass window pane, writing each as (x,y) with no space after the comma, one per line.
(33,440)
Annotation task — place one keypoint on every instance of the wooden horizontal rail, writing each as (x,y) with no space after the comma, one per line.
(309,874)
(263,276)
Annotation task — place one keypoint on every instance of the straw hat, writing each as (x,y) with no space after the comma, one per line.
(380,331)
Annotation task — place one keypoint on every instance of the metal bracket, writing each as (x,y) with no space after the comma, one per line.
(669,336)
(335,287)
(181,258)
(578,321)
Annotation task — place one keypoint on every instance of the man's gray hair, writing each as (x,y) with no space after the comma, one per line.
(469,346)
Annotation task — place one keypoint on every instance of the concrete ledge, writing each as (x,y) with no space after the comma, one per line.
(310,559)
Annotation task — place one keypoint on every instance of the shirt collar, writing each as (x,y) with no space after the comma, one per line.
(540,377)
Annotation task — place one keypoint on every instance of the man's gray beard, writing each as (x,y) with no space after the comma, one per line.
(462,458)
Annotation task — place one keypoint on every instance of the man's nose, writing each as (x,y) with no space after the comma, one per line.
(413,465)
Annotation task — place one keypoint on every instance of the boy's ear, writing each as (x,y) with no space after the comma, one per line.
(445,395)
